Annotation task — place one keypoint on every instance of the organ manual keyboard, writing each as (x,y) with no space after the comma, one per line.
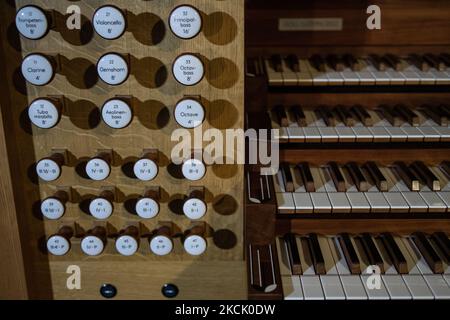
(358,207)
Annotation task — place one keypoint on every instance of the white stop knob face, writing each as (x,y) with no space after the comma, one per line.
(31,22)
(147,208)
(195,245)
(112,69)
(101,208)
(194,208)
(185,22)
(193,169)
(92,245)
(145,169)
(126,245)
(188,69)
(52,208)
(109,22)
(117,113)
(98,169)
(37,69)
(43,113)
(161,245)
(58,245)
(189,113)
(48,170)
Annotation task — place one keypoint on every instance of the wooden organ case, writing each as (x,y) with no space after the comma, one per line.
(363,149)
(88,185)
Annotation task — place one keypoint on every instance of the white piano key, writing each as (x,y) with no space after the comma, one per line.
(444,133)
(397,202)
(353,287)
(334,78)
(396,134)
(345,134)
(285,202)
(321,202)
(413,134)
(381,77)
(303,203)
(445,197)
(438,285)
(279,182)
(338,256)
(375,293)
(312,288)
(289,76)
(304,76)
(296,134)
(312,135)
(426,78)
(417,257)
(417,287)
(441,76)
(415,202)
(275,78)
(339,202)
(433,201)
(318,78)
(362,134)
(411,77)
(350,77)
(332,287)
(447,278)
(358,202)
(379,134)
(328,134)
(430,134)
(377,202)
(292,288)
(396,78)
(329,262)
(396,287)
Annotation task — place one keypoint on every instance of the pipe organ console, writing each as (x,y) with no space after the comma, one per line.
(104,179)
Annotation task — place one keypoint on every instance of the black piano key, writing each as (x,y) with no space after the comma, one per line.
(327,116)
(393,61)
(335,62)
(427,251)
(435,114)
(307,177)
(419,62)
(394,252)
(345,115)
(426,175)
(445,110)
(377,176)
(318,62)
(407,114)
(443,243)
(316,254)
(263,267)
(294,254)
(293,62)
(276,62)
(357,176)
(349,253)
(391,115)
(337,176)
(371,251)
(282,117)
(299,115)
(362,115)
(287,176)
(445,59)
(377,62)
(351,62)
(433,61)
(445,167)
(407,175)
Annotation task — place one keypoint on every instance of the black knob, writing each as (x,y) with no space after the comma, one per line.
(108,291)
(170,290)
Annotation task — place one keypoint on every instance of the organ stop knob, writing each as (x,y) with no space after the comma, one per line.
(98,168)
(49,169)
(94,242)
(147,207)
(195,207)
(161,243)
(59,243)
(127,243)
(102,207)
(194,243)
(54,207)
